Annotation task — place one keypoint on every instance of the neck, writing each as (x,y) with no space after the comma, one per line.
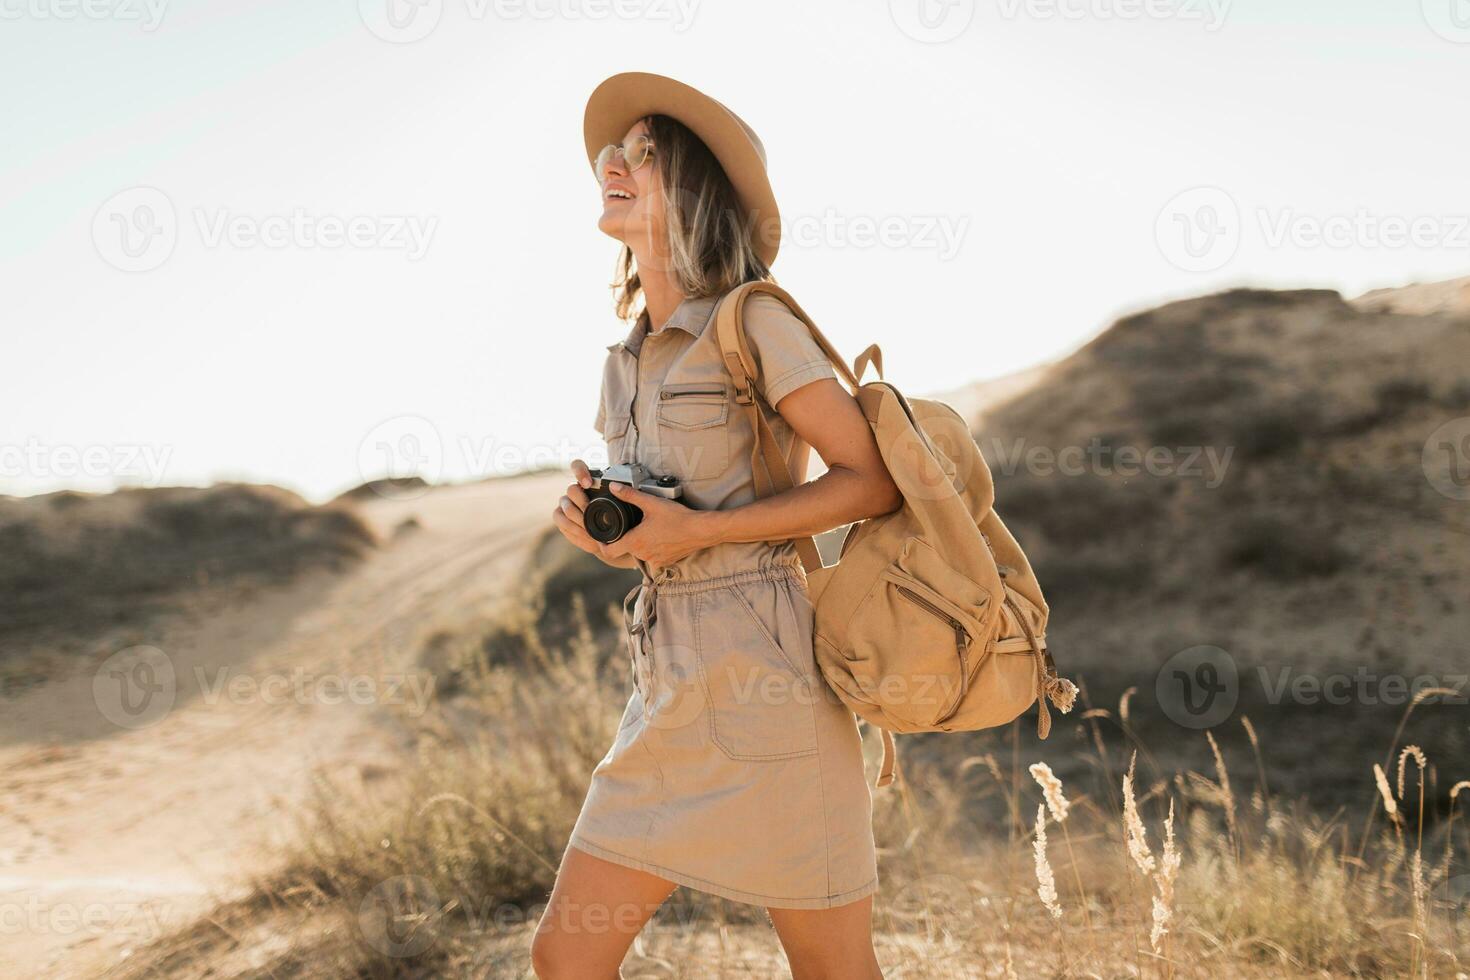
(661,294)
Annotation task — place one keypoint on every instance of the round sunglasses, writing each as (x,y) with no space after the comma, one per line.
(635,154)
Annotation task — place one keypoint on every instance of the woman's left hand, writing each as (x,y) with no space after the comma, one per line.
(669,531)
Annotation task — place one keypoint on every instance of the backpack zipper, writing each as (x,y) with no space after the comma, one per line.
(961,643)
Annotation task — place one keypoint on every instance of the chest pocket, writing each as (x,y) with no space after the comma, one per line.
(694,429)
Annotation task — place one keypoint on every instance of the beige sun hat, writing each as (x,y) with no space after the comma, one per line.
(623,99)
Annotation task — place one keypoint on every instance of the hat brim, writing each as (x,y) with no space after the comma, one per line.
(623,99)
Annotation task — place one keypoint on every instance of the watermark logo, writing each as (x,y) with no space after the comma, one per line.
(135,687)
(407,21)
(1363,686)
(932,21)
(33,916)
(1446,459)
(413,691)
(136,230)
(1450,19)
(1211,13)
(147,14)
(1198,687)
(398,916)
(942,905)
(135,464)
(1199,229)
(400,21)
(1453,896)
(942,234)
(1208,464)
(396,451)
(935,461)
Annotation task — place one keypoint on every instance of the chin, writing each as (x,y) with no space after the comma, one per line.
(612,225)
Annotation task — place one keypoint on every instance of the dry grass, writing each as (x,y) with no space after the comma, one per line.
(439,870)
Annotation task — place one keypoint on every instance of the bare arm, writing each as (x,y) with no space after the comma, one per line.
(856,486)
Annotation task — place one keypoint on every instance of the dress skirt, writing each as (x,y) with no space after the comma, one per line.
(736,770)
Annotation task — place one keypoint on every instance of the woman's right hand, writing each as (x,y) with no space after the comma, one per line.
(568,518)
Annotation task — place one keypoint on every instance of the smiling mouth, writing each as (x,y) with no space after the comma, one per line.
(617,194)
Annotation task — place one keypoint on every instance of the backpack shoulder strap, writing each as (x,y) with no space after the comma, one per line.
(772,475)
(730,321)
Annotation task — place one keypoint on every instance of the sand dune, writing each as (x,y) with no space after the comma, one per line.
(149,827)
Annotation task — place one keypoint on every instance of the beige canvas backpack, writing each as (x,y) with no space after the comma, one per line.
(931,620)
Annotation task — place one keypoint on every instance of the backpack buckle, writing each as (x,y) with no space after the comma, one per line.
(746,395)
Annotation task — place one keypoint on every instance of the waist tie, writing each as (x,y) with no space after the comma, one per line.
(636,634)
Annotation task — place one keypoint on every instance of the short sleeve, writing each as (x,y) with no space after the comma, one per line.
(601,417)
(784,350)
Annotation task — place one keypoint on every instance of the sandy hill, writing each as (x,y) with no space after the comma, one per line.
(1452,296)
(1289,516)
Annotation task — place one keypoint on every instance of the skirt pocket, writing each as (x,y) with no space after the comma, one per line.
(760,698)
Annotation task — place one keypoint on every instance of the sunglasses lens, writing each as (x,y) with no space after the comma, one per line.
(604,157)
(636,153)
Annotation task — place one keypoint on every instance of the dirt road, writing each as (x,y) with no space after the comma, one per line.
(141,788)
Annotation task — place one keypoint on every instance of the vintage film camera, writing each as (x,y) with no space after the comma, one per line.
(607,518)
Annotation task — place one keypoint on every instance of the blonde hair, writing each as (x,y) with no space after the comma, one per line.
(710,245)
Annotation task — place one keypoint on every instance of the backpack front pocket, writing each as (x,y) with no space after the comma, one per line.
(694,431)
(918,638)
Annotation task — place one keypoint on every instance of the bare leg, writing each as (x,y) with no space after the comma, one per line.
(596,910)
(829,944)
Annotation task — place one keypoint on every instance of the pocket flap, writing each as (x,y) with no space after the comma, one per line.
(919,559)
(693,405)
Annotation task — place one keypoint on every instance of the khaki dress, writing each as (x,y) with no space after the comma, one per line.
(735,770)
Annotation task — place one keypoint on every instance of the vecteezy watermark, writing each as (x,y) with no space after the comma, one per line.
(1446,459)
(1210,13)
(1198,230)
(137,230)
(941,907)
(1201,230)
(1198,687)
(136,464)
(941,234)
(135,687)
(407,21)
(400,457)
(1450,19)
(932,21)
(145,921)
(300,686)
(400,916)
(407,233)
(1362,229)
(147,14)
(1362,685)
(1205,463)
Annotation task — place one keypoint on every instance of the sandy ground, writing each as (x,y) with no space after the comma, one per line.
(110,834)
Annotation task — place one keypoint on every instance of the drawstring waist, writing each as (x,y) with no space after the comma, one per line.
(669,581)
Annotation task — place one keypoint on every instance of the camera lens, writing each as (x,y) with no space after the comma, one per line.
(605,520)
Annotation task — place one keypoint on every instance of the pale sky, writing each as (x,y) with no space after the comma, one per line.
(256,239)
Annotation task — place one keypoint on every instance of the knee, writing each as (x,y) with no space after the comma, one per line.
(549,960)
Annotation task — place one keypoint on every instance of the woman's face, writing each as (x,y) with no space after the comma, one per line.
(637,219)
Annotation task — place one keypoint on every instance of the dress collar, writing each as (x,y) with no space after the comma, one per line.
(692,315)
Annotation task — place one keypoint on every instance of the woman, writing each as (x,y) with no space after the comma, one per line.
(735,771)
